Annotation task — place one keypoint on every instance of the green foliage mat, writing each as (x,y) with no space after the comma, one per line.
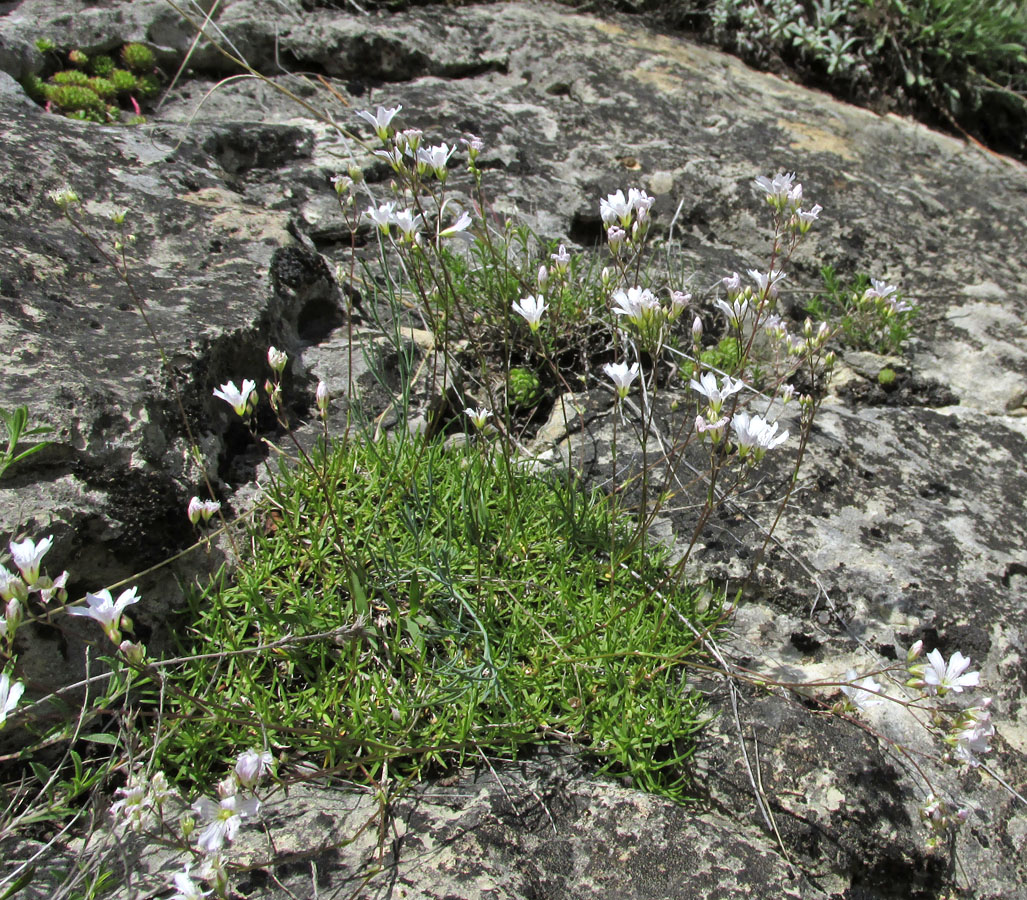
(488,613)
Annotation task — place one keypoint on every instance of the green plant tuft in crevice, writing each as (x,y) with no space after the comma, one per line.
(465,608)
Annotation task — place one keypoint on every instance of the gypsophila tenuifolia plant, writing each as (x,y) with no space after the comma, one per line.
(410,603)
(870,313)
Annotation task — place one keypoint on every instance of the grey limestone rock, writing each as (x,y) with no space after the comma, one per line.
(910,521)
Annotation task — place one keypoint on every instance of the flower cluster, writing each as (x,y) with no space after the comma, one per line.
(646,315)
(16,588)
(753,435)
(885,298)
(626,218)
(410,224)
(142,802)
(202,510)
(142,805)
(784,195)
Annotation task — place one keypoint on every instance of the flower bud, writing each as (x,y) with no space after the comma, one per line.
(13,615)
(322,398)
(134,653)
(276,359)
(356,173)
(543,276)
(914,652)
(696,328)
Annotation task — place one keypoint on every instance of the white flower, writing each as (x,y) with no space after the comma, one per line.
(409,139)
(638,304)
(251,766)
(756,434)
(767,283)
(879,288)
(944,678)
(409,223)
(27,555)
(861,694)
(225,818)
(707,386)
(186,888)
(240,399)
(622,376)
(194,510)
(394,156)
(616,235)
(105,610)
(473,143)
(478,416)
(736,310)
(213,871)
(63,197)
(531,308)
(459,229)
(780,189)
(10,694)
(381,121)
(48,588)
(641,203)
(678,301)
(732,283)
(382,216)
(133,809)
(276,359)
(808,217)
(615,208)
(561,259)
(135,653)
(434,158)
(714,429)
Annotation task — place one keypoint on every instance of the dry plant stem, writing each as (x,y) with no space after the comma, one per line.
(122,272)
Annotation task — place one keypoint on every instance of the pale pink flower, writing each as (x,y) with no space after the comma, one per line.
(251,766)
(953,677)
(225,818)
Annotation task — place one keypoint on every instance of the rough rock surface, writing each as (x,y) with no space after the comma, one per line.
(911,518)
